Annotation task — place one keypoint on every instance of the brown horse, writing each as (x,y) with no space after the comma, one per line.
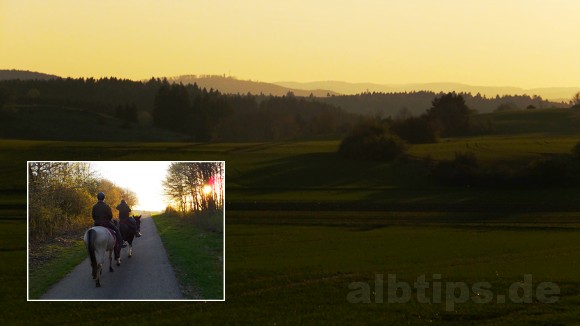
(129,227)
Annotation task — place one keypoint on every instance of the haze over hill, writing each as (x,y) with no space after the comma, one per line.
(232,85)
(557,94)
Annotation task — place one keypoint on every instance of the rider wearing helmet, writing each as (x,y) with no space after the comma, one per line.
(103,216)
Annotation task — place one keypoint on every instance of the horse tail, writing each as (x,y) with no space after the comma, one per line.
(91,235)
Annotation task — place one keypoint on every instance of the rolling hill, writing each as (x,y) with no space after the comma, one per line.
(231,85)
(24,75)
(555,94)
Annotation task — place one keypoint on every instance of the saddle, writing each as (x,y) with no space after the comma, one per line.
(131,223)
(109,228)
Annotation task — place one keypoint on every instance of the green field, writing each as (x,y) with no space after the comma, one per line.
(303,224)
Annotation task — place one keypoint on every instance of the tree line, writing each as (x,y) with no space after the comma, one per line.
(196,193)
(204,115)
(195,186)
(415,103)
(209,115)
(61,195)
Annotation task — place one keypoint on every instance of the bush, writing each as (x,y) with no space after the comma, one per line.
(170,210)
(415,130)
(576,151)
(547,171)
(464,170)
(509,106)
(210,220)
(372,141)
(451,114)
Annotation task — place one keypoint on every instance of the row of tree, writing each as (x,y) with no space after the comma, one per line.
(415,103)
(209,115)
(195,186)
(200,113)
(61,195)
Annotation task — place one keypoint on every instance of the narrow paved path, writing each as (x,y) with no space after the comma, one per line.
(148,275)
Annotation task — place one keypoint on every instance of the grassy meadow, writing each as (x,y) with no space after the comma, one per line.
(304,227)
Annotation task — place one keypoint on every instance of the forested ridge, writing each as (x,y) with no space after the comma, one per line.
(210,115)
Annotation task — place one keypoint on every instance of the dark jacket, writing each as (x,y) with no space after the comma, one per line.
(124,210)
(102,212)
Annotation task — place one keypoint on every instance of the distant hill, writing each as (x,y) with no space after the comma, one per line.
(24,75)
(230,85)
(556,94)
(47,122)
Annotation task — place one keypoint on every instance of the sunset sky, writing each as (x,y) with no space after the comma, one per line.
(525,43)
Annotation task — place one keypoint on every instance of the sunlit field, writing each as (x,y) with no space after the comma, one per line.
(303,224)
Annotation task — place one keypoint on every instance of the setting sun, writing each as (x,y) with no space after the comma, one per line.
(207,189)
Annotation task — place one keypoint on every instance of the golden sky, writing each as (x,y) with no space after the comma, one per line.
(525,43)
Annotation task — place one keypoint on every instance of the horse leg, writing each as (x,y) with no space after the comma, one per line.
(111,262)
(94,271)
(130,242)
(99,270)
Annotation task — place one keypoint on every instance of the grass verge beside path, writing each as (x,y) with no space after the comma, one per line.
(196,256)
(51,263)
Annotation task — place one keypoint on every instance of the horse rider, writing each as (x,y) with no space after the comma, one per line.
(124,211)
(103,216)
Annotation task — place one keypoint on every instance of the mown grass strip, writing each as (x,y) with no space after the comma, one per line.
(196,256)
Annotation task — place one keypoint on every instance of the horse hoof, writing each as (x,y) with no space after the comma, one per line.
(111,269)
(130,256)
(118,263)
(98,284)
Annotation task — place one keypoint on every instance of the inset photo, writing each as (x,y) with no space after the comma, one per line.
(130,230)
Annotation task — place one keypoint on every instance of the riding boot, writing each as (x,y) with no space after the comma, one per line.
(120,243)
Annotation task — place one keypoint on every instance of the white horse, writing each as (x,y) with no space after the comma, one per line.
(98,241)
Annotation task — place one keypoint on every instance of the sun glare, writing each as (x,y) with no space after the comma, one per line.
(144,178)
(207,189)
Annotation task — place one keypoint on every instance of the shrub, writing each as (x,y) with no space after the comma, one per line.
(509,106)
(548,171)
(209,220)
(576,151)
(451,113)
(462,170)
(372,141)
(415,130)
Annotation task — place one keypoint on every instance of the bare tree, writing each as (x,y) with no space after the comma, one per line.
(186,185)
